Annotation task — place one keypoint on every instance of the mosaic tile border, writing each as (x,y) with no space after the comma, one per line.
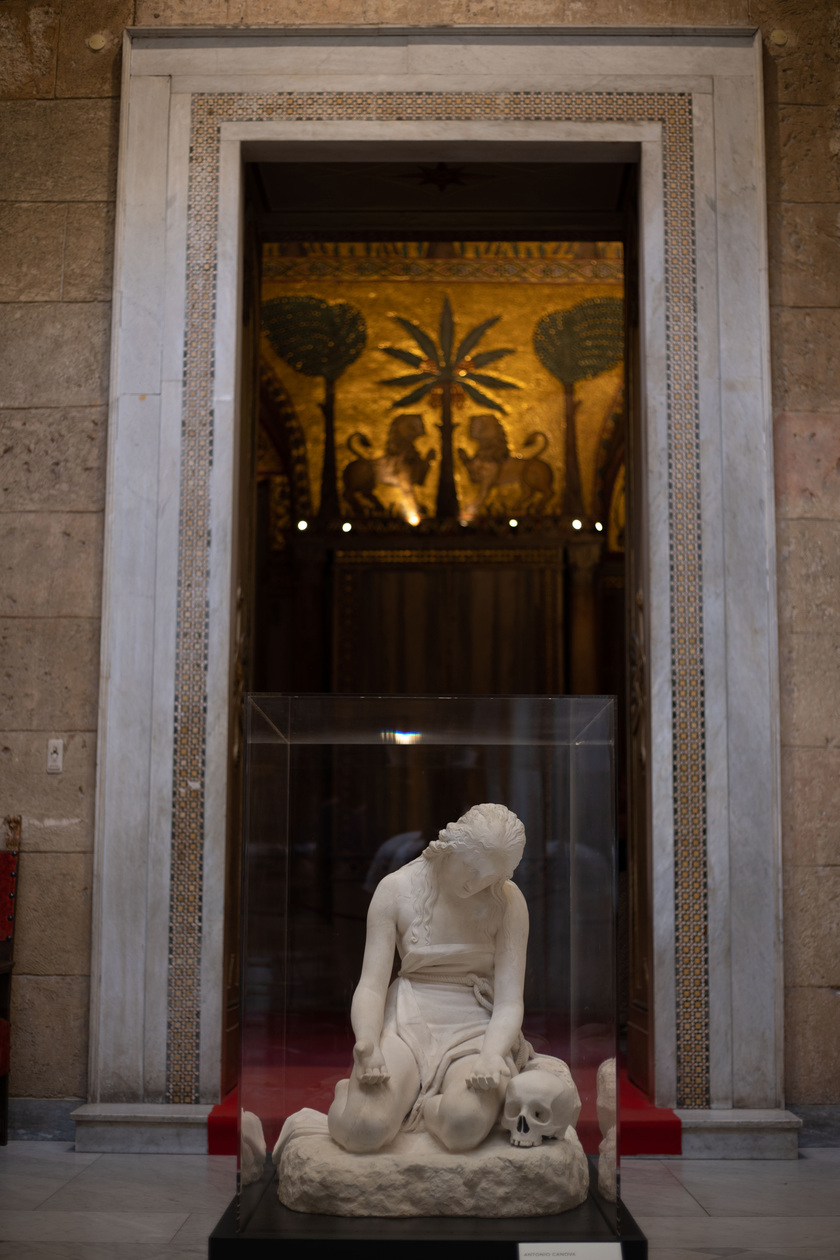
(452,271)
(673,111)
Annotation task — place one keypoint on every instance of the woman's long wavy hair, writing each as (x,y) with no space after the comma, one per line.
(484,827)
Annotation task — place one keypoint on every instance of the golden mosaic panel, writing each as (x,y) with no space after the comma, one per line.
(517,288)
(673,112)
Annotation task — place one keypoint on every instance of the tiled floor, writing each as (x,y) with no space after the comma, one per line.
(57,1205)
(753,1209)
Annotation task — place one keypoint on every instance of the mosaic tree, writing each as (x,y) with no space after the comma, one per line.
(577,345)
(318,338)
(449,374)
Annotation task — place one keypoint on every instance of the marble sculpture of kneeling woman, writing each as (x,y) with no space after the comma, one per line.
(436,1049)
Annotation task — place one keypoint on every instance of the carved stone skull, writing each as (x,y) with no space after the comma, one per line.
(539,1104)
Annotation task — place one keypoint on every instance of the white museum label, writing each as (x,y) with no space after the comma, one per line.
(570,1251)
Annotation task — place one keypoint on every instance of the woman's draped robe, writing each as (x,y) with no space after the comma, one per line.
(440,1005)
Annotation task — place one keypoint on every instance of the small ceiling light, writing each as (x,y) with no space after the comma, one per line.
(513,522)
(576,524)
(599,527)
(301,524)
(346,527)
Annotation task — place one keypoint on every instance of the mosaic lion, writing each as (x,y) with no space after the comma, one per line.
(493,465)
(401,466)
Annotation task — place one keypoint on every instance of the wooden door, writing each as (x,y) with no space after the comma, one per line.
(478,621)
(640,1029)
(244,546)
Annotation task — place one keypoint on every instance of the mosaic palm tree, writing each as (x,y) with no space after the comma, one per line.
(577,345)
(318,338)
(448,374)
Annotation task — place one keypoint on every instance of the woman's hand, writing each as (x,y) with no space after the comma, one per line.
(371,1068)
(488,1071)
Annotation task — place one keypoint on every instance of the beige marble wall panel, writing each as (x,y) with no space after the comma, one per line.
(121,943)
(49,1046)
(811,806)
(54,354)
(803,153)
(52,936)
(89,253)
(81,70)
(31,251)
(28,42)
(809,576)
(812,941)
(812,1043)
(50,673)
(56,809)
(58,150)
(803,70)
(807,464)
(805,363)
(53,459)
(804,254)
(51,564)
(445,12)
(810,672)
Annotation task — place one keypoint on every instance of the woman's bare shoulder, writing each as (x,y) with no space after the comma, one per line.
(392,887)
(515,902)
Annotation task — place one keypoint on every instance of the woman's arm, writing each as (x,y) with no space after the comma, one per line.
(368,1008)
(508,1009)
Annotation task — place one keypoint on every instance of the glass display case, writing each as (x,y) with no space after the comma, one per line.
(339,792)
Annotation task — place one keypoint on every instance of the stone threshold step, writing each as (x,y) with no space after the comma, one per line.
(145,1128)
(739,1133)
(142,1128)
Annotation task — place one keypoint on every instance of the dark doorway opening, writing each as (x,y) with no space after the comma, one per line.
(459,600)
(427,523)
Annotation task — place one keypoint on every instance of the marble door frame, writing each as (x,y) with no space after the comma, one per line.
(195,104)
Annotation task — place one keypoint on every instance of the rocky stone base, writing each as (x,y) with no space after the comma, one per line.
(415,1177)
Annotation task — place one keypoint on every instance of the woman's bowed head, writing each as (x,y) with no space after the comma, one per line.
(484,847)
(436,1049)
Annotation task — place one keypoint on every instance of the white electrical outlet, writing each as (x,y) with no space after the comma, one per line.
(55,756)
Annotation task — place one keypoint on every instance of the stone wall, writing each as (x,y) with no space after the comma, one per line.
(58,143)
(803,151)
(58,151)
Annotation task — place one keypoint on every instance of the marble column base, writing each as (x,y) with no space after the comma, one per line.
(741,1133)
(416,1177)
(142,1128)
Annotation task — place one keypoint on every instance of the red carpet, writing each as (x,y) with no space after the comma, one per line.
(645,1129)
(221,1126)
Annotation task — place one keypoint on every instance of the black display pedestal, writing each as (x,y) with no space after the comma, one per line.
(452,1238)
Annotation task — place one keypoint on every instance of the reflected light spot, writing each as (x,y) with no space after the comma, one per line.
(413,518)
(401,737)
